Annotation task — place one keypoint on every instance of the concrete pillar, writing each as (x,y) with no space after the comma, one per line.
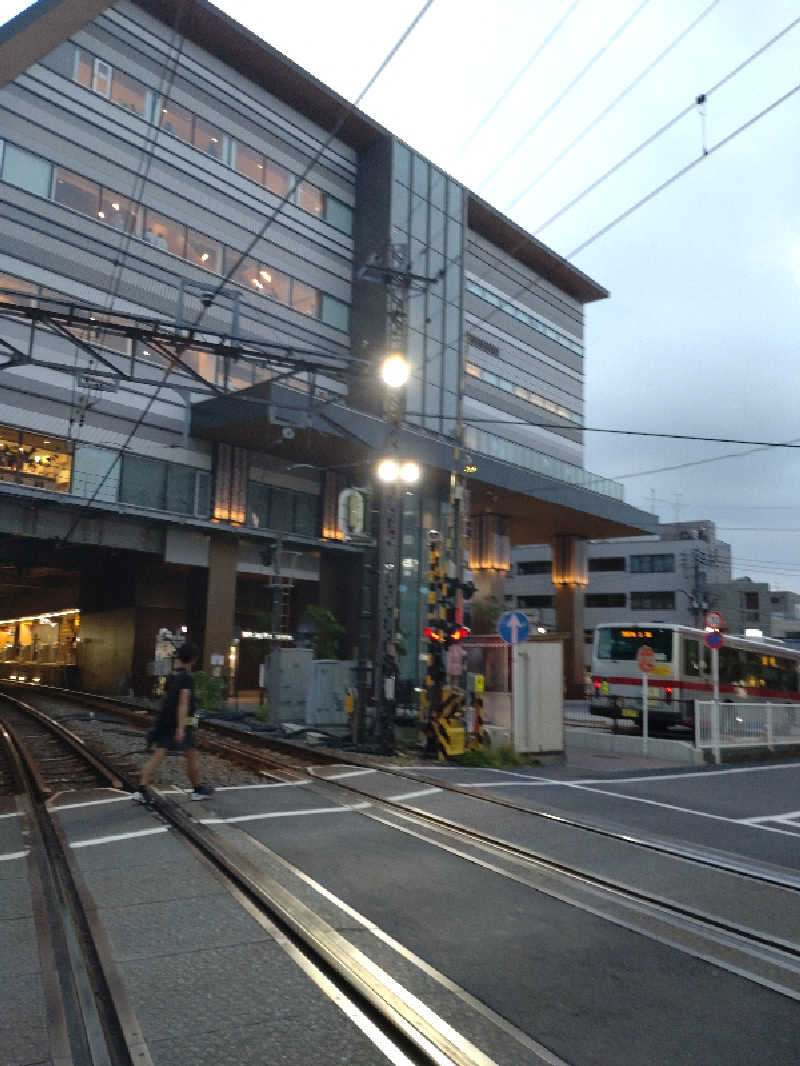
(569,623)
(223,554)
(570,578)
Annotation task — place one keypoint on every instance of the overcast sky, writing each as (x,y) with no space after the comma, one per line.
(700,334)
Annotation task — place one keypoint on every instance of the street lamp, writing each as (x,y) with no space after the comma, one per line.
(391,471)
(395,371)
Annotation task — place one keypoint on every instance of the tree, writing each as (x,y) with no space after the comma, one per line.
(327,633)
(485,613)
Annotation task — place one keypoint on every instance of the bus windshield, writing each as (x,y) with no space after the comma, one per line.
(623,644)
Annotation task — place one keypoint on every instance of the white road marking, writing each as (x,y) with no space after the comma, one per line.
(414,795)
(698,775)
(790,817)
(91,803)
(284,814)
(118,836)
(348,773)
(13,855)
(271,784)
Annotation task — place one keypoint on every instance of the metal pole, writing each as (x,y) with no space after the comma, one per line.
(715,704)
(644,712)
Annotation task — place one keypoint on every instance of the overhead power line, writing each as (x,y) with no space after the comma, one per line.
(348,111)
(518,76)
(667,126)
(700,462)
(562,96)
(610,107)
(685,170)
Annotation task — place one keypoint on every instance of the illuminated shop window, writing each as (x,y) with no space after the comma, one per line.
(34,460)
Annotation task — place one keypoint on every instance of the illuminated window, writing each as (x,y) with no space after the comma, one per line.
(163,233)
(7,281)
(245,272)
(84,68)
(275,284)
(207,138)
(203,251)
(249,163)
(34,460)
(129,93)
(101,82)
(176,120)
(71,190)
(304,298)
(310,198)
(276,178)
(119,212)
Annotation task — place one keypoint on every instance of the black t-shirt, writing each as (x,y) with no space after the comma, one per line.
(176,682)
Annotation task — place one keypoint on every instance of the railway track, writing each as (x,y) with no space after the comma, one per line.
(763,956)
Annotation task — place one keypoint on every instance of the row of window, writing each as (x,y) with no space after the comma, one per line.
(134,96)
(523,314)
(639,564)
(42,178)
(640,601)
(519,391)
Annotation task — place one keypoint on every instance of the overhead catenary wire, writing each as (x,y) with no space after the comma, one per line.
(565,92)
(175,358)
(519,75)
(610,107)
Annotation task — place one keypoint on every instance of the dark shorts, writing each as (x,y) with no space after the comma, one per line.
(164,737)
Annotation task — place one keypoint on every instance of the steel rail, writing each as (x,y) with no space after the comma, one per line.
(699,857)
(410,1024)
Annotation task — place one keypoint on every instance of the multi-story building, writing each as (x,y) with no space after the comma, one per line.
(670,577)
(744,604)
(204,255)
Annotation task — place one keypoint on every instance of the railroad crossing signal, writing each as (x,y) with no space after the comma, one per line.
(646,658)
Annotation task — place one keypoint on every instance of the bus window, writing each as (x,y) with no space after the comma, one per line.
(623,644)
(691,658)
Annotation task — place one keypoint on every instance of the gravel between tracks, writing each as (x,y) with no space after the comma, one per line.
(127,744)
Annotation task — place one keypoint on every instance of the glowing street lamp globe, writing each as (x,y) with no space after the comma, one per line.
(395,371)
(388,470)
(410,473)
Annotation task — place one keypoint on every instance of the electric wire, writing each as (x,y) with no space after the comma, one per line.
(700,462)
(519,75)
(562,96)
(175,357)
(610,107)
(667,126)
(685,170)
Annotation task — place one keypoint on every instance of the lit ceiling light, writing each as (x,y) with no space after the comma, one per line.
(257,283)
(101,214)
(204,256)
(115,206)
(265,274)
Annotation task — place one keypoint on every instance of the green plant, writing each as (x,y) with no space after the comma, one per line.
(209,691)
(485,613)
(327,633)
(496,758)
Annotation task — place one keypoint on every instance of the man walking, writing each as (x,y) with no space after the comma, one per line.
(175,726)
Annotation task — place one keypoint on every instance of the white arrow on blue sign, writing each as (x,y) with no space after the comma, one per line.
(513,627)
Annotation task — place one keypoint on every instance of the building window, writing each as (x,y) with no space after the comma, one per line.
(84,68)
(535,566)
(203,251)
(207,138)
(248,162)
(274,284)
(26,171)
(143,482)
(751,601)
(304,298)
(101,82)
(80,194)
(605,599)
(165,234)
(310,198)
(607,565)
(276,178)
(130,94)
(653,601)
(177,121)
(34,460)
(338,215)
(334,312)
(534,601)
(118,211)
(653,564)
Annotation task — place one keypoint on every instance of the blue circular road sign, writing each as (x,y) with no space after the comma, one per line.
(513,627)
(714,639)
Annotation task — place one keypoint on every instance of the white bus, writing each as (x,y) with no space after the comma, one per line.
(748,670)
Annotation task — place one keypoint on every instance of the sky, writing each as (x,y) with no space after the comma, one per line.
(701,332)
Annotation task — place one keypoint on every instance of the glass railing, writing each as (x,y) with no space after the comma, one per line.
(508,451)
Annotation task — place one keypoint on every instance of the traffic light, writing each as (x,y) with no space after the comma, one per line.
(458,632)
(444,632)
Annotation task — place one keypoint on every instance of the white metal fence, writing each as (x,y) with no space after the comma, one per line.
(719,725)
